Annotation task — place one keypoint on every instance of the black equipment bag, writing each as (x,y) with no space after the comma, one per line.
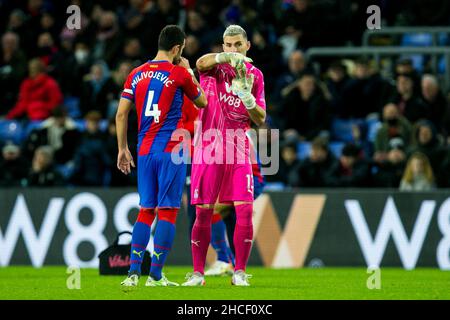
(115,260)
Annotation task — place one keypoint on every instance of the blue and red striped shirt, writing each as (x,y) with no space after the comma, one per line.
(157,89)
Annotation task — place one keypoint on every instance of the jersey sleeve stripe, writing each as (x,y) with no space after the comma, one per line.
(128,97)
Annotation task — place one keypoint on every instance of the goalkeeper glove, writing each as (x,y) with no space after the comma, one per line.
(232,58)
(242,87)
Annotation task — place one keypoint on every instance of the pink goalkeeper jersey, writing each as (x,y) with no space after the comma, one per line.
(225,110)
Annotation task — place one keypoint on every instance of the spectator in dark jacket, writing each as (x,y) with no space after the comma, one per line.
(12,70)
(91,162)
(313,169)
(295,67)
(350,171)
(13,167)
(97,90)
(434,101)
(394,127)
(59,132)
(42,171)
(307,108)
(406,66)
(337,81)
(365,93)
(109,39)
(289,164)
(39,94)
(407,100)
(388,170)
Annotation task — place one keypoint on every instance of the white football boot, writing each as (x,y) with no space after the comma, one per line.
(240,278)
(220,268)
(131,281)
(194,279)
(163,282)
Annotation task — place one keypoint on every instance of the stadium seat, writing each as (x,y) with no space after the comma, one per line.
(81,124)
(442,66)
(274,186)
(418,61)
(303,150)
(66,170)
(31,126)
(103,125)
(443,39)
(72,105)
(341,129)
(372,127)
(336,148)
(11,131)
(417,40)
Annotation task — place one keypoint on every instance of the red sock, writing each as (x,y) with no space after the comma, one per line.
(201,237)
(243,235)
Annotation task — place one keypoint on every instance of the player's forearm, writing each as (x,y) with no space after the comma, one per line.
(201,101)
(198,84)
(121,128)
(206,62)
(122,125)
(257,115)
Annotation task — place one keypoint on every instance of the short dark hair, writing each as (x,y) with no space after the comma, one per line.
(170,36)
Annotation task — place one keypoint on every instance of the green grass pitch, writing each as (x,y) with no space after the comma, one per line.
(49,283)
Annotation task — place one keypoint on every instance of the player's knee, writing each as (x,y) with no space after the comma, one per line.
(203,216)
(169,215)
(146,215)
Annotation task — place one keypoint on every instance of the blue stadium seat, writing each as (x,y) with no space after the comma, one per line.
(418,61)
(303,150)
(372,127)
(81,124)
(341,129)
(31,126)
(274,186)
(443,39)
(103,125)
(442,66)
(11,131)
(417,40)
(72,105)
(65,170)
(336,148)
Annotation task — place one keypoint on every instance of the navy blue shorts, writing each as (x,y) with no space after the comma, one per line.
(258,187)
(160,181)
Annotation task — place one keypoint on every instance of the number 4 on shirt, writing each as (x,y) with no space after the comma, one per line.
(151,109)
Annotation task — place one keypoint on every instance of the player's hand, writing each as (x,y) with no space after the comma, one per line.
(125,161)
(233,58)
(184,63)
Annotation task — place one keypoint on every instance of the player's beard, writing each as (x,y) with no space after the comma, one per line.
(176,59)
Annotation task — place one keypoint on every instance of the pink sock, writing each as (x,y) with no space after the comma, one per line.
(201,237)
(243,235)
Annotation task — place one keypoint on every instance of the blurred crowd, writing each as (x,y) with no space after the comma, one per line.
(57,77)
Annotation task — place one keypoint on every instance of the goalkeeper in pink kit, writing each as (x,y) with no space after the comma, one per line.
(221,167)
